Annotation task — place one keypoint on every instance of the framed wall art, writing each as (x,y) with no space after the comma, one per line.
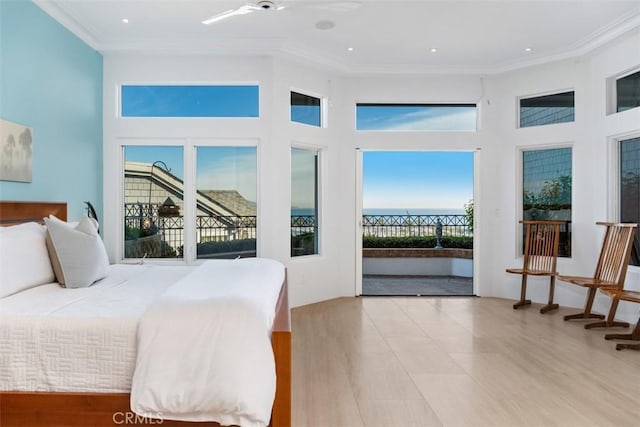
(16,152)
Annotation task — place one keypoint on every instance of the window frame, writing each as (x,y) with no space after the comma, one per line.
(188,146)
(222,143)
(540,95)
(122,143)
(320,152)
(119,99)
(519,241)
(323,108)
(612,90)
(614,185)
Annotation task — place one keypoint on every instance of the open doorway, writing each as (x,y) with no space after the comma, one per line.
(417,223)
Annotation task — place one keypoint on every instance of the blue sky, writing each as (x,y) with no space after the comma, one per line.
(415,118)
(392,180)
(190,101)
(171,155)
(218,168)
(417,179)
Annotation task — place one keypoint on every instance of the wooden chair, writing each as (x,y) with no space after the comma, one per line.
(623,295)
(611,271)
(540,256)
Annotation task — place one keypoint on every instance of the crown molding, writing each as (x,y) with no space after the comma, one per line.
(51,9)
(301,53)
(608,33)
(262,46)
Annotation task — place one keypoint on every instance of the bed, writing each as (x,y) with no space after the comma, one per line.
(105,400)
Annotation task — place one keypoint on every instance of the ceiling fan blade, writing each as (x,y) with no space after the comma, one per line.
(242,10)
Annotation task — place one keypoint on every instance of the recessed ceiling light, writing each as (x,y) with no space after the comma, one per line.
(325,25)
(434,49)
(125,21)
(350,49)
(527,49)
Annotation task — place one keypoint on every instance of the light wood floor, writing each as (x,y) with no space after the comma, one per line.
(453,361)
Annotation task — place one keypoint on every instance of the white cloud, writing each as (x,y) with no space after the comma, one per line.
(437,119)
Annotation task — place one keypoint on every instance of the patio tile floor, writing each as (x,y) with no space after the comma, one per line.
(416,285)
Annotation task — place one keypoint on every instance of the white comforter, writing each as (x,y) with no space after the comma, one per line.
(204,348)
(61,339)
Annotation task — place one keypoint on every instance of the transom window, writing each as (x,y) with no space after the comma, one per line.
(628,92)
(546,190)
(547,109)
(306,109)
(416,117)
(189,101)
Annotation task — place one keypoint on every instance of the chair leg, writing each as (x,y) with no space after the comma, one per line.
(523,293)
(550,306)
(634,336)
(629,346)
(591,295)
(610,322)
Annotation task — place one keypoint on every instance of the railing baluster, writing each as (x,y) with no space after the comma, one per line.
(218,228)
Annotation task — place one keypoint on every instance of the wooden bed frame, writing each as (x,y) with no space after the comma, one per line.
(27,409)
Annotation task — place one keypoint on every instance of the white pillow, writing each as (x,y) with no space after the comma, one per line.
(78,255)
(24,260)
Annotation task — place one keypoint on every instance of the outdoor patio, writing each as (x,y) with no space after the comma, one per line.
(378,285)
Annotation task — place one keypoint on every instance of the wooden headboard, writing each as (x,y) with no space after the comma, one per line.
(12,213)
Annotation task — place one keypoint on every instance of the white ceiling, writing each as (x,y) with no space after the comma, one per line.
(392,36)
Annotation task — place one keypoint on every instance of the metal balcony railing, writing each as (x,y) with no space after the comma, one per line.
(140,221)
(414,225)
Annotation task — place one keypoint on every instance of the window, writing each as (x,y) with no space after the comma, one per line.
(548,109)
(416,117)
(628,92)
(226,195)
(304,201)
(305,109)
(630,189)
(153,202)
(189,101)
(546,190)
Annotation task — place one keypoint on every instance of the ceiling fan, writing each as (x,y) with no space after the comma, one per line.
(276,5)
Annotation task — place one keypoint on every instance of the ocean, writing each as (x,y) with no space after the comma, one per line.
(391,211)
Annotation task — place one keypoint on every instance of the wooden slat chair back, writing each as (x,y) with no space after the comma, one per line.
(611,271)
(541,243)
(624,295)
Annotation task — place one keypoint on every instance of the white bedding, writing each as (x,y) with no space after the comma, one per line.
(204,348)
(55,339)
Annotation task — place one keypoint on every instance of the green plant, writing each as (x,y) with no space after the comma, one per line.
(555,194)
(132,233)
(468,210)
(462,242)
(303,244)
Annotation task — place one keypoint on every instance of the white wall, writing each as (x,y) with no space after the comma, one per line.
(311,278)
(593,169)
(497,144)
(436,266)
